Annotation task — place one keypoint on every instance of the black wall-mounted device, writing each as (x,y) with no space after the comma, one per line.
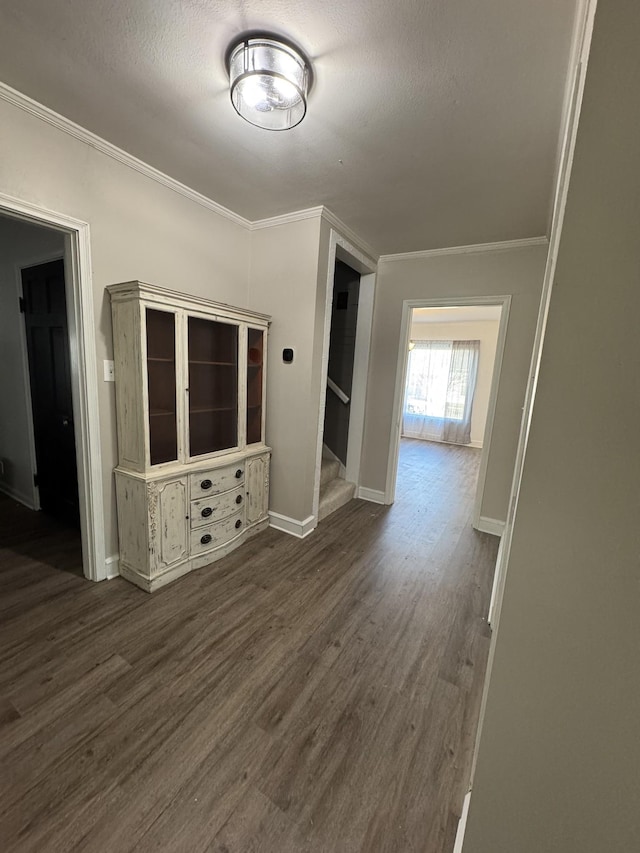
(287,355)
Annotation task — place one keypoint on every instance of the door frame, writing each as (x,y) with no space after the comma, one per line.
(31,437)
(84,384)
(342,250)
(504,302)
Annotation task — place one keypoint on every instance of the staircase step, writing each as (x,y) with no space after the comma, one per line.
(333,495)
(329,470)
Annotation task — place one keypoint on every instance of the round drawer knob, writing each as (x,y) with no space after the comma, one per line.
(206,512)
(238,524)
(238,473)
(205,539)
(239,499)
(206,484)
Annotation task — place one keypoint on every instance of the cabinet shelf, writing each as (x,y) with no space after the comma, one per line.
(213,363)
(198,410)
(158,413)
(157,360)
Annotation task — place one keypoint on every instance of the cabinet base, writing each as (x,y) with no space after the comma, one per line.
(208,560)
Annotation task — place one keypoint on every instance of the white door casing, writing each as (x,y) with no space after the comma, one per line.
(84,390)
(342,250)
(504,302)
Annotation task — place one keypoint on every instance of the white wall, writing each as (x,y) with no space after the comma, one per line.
(285,282)
(485,331)
(289,277)
(140,229)
(558,767)
(20,244)
(516,271)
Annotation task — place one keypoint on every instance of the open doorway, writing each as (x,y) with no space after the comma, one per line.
(38,471)
(447,383)
(335,489)
(345,360)
(45,263)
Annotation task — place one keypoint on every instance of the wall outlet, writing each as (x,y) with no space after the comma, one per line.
(109,371)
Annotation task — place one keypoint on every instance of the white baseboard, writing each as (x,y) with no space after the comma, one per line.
(498,577)
(27,500)
(462,824)
(490,525)
(112,566)
(291,525)
(477,444)
(373,495)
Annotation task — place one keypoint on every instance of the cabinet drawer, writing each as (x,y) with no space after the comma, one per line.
(205,538)
(216,480)
(209,510)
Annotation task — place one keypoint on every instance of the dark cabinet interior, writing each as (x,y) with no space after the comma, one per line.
(161,377)
(213,385)
(255,364)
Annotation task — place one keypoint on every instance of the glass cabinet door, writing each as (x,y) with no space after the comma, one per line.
(161,385)
(213,386)
(255,359)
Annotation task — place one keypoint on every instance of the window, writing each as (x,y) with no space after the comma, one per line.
(428,377)
(441,380)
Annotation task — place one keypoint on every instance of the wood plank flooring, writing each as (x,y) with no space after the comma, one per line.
(316,696)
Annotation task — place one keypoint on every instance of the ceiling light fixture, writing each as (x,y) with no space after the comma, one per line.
(269,79)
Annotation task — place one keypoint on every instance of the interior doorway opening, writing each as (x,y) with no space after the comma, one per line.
(33,236)
(342,348)
(335,488)
(447,383)
(345,359)
(38,469)
(449,370)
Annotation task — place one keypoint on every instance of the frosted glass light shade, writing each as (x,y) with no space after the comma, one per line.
(269,83)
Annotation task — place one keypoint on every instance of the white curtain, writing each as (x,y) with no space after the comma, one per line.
(441,382)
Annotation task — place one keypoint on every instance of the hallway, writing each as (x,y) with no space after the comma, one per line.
(314,695)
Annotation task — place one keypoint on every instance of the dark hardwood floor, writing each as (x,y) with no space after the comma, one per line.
(314,695)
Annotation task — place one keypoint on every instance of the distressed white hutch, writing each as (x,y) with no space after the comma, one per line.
(192,480)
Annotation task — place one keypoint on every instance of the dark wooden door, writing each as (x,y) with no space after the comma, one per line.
(45,316)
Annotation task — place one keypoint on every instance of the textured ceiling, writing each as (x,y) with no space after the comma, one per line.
(431,123)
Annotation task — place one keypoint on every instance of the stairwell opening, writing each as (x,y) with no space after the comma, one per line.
(335,489)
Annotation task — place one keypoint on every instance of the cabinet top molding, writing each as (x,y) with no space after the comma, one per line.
(127,290)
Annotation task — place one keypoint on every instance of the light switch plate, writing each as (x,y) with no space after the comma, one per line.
(109,371)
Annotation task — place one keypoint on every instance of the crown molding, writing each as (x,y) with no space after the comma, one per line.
(350,235)
(28,105)
(504,246)
(287,218)
(34,108)
(329,217)
(60,122)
